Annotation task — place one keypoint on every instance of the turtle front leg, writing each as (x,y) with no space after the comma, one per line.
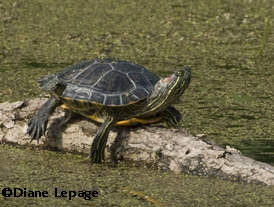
(171,116)
(97,151)
(38,123)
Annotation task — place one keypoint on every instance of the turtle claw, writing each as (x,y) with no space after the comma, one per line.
(33,132)
(36,128)
(43,129)
(30,126)
(38,134)
(38,123)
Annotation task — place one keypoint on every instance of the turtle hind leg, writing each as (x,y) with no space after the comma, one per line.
(38,123)
(66,118)
(171,116)
(97,150)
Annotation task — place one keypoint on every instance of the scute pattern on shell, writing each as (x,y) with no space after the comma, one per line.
(107,82)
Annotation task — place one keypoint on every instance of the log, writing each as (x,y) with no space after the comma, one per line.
(169,149)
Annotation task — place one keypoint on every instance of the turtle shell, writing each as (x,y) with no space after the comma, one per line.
(107,82)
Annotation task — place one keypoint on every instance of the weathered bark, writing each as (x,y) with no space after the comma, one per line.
(165,148)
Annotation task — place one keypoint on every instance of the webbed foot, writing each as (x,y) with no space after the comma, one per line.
(36,128)
(38,123)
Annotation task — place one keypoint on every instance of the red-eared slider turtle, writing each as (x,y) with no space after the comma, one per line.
(112,93)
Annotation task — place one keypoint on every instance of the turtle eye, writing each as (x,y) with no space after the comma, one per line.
(179,73)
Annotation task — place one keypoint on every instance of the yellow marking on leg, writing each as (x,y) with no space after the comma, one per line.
(64,106)
(128,122)
(134,121)
(94,117)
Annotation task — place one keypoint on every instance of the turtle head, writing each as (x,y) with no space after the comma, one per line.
(167,90)
(52,84)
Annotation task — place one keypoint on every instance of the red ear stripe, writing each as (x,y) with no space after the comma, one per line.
(167,79)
